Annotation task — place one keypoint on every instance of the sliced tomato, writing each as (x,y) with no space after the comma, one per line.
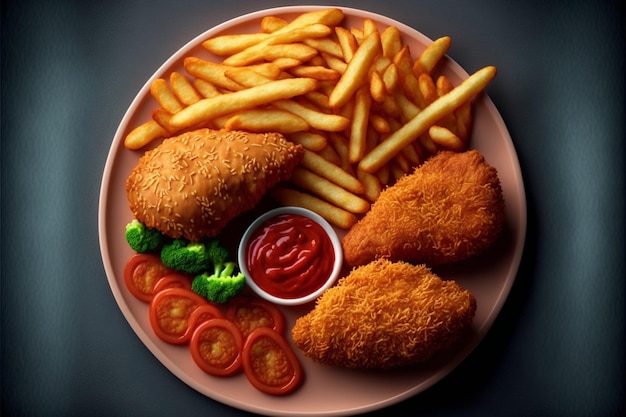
(141,273)
(203,313)
(170,312)
(216,347)
(249,313)
(270,364)
(175,280)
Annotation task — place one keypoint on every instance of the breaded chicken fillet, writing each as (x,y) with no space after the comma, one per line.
(449,209)
(193,184)
(385,315)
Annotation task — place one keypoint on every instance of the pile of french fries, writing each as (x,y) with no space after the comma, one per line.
(363,108)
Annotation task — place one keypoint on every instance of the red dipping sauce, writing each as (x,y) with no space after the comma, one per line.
(290,256)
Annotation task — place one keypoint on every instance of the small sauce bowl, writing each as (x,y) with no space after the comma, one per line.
(290,256)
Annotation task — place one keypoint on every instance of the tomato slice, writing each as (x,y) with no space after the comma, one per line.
(203,313)
(270,364)
(170,311)
(216,347)
(172,281)
(141,273)
(249,313)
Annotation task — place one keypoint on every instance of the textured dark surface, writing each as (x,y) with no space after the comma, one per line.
(71,68)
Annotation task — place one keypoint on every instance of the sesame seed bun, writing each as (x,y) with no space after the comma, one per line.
(193,184)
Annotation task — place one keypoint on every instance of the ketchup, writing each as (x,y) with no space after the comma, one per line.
(290,256)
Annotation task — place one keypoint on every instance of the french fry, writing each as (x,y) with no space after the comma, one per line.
(377,87)
(357,71)
(247,77)
(331,171)
(266,120)
(264,51)
(369,27)
(371,184)
(209,108)
(328,191)
(231,44)
(445,138)
(379,123)
(211,72)
(205,88)
(430,56)
(391,78)
(160,90)
(270,24)
(347,42)
(408,80)
(333,214)
(315,71)
(386,150)
(427,88)
(360,122)
(391,41)
(312,141)
(325,45)
(317,119)
(183,89)
(143,135)
(163,117)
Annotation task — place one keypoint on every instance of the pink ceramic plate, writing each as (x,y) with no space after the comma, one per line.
(326,391)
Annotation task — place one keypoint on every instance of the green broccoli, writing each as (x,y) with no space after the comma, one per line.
(221,285)
(186,256)
(143,239)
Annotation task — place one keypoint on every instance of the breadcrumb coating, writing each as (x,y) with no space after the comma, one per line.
(385,315)
(193,184)
(449,209)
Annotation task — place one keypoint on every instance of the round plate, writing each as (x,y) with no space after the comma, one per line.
(327,390)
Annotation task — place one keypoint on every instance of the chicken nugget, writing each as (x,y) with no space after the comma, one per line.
(385,315)
(449,209)
(193,184)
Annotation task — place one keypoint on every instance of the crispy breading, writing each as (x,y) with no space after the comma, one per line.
(193,184)
(385,315)
(449,209)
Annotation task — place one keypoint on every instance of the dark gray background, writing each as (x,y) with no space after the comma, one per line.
(71,68)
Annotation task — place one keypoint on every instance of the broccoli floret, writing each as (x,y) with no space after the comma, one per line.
(217,252)
(143,239)
(186,256)
(220,286)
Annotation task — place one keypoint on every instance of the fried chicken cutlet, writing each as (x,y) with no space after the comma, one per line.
(449,209)
(193,184)
(385,315)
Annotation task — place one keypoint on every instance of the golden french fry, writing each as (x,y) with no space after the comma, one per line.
(386,150)
(357,71)
(209,108)
(162,117)
(328,191)
(266,120)
(325,45)
(408,80)
(246,76)
(347,42)
(431,55)
(205,88)
(338,64)
(358,127)
(445,138)
(315,71)
(319,100)
(230,44)
(183,89)
(164,96)
(211,72)
(331,171)
(329,17)
(317,119)
(377,87)
(312,141)
(144,134)
(391,41)
(379,123)
(391,78)
(369,27)
(464,121)
(333,214)
(357,33)
(427,88)
(371,184)
(270,24)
